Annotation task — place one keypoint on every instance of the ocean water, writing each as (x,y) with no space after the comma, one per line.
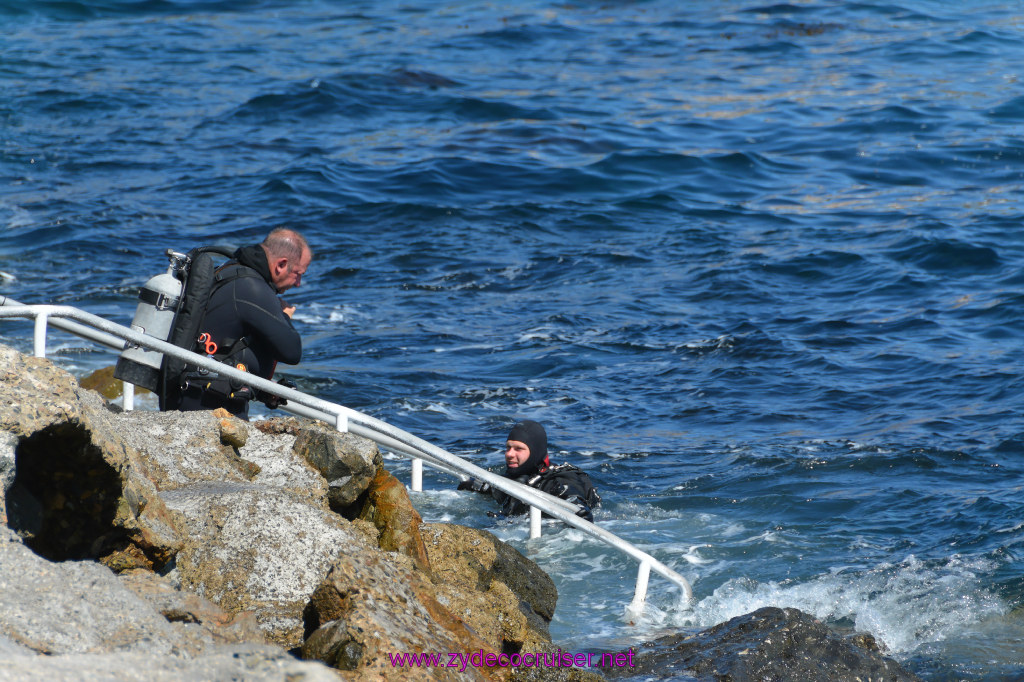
(757,267)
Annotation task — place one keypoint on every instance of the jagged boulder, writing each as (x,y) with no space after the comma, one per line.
(181,449)
(76,620)
(388,507)
(347,462)
(479,595)
(505,597)
(199,618)
(258,548)
(784,645)
(75,607)
(78,492)
(374,605)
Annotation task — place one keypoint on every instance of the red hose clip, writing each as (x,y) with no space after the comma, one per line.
(208,343)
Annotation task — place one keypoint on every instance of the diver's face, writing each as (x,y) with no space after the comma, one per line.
(516,453)
(287,273)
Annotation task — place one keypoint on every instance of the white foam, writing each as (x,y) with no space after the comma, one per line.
(471,346)
(535,336)
(318,313)
(903,605)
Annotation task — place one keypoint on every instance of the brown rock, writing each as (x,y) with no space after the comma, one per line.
(234,434)
(103,382)
(283,425)
(497,591)
(233,430)
(131,557)
(388,506)
(370,606)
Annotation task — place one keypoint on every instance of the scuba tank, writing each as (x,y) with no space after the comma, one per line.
(158,304)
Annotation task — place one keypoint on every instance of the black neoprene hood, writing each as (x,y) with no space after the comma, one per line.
(256,258)
(533,434)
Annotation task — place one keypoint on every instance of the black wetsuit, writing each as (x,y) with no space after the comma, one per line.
(563,480)
(245,320)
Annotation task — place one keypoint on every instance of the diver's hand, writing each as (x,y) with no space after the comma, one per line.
(476,485)
(583,509)
(272,401)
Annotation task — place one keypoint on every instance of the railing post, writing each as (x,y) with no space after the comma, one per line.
(39,336)
(535,525)
(417,475)
(643,576)
(341,422)
(128,396)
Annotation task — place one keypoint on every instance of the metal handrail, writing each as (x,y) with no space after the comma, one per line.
(343,418)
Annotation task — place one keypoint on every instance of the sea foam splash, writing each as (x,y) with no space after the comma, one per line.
(903,605)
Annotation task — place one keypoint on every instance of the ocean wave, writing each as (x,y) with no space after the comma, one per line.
(903,605)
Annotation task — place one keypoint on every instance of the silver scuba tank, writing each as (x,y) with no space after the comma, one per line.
(154,315)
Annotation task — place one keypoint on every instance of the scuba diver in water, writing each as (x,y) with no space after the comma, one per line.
(526,461)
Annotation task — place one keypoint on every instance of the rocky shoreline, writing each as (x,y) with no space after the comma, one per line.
(157,546)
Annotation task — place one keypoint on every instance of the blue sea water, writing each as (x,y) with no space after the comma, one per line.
(757,266)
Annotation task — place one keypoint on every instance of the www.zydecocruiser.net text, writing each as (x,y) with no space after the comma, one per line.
(480,659)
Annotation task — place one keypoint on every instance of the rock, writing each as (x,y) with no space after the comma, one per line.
(10,648)
(180,449)
(35,394)
(370,606)
(545,673)
(249,662)
(213,623)
(76,607)
(78,491)
(347,462)
(389,508)
(103,382)
(77,620)
(769,644)
(81,607)
(212,536)
(282,468)
(258,548)
(8,451)
(482,596)
(233,431)
(505,597)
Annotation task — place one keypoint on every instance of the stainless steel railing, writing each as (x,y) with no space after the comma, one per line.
(118,337)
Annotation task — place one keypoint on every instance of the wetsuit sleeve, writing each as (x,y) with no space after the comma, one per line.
(474,484)
(510,506)
(265,322)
